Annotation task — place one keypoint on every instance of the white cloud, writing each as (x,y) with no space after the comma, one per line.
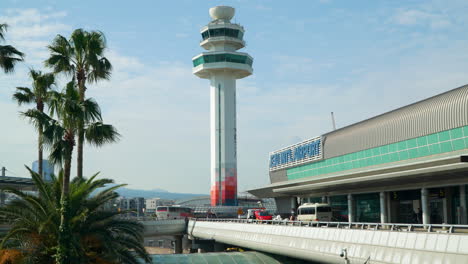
(29,16)
(31,30)
(419,17)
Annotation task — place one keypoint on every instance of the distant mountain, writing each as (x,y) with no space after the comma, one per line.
(156,193)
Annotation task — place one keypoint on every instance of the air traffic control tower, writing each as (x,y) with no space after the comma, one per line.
(223,65)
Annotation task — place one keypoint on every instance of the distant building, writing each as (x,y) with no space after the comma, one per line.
(152,203)
(47,169)
(135,206)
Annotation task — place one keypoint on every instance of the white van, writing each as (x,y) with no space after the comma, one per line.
(314,212)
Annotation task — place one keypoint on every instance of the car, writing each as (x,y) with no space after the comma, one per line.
(251,212)
(262,215)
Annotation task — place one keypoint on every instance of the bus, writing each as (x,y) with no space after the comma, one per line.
(173,212)
(314,212)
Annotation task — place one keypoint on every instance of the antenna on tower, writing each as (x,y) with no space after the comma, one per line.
(333,121)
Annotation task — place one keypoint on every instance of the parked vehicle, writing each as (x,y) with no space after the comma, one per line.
(251,212)
(314,212)
(173,212)
(262,215)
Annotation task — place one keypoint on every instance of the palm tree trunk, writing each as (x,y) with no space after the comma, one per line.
(79,160)
(40,107)
(79,164)
(40,154)
(66,177)
(63,249)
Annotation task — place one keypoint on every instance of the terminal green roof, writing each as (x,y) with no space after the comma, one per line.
(250,257)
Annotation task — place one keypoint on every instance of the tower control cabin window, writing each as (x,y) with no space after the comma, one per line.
(222,32)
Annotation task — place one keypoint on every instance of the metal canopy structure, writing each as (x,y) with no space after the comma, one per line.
(250,257)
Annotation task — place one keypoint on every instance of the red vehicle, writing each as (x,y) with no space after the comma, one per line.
(263,215)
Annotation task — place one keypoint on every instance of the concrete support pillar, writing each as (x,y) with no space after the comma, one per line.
(463,219)
(389,207)
(383,208)
(445,209)
(324,199)
(294,205)
(350,208)
(449,191)
(178,245)
(425,206)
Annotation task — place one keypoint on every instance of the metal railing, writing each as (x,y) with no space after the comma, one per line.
(400,227)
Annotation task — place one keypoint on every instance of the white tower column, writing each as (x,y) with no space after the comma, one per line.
(223,137)
(223,65)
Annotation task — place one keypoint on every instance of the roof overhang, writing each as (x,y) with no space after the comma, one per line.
(435,172)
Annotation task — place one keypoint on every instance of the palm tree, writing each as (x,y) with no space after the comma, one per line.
(82,56)
(9,55)
(59,136)
(39,94)
(97,236)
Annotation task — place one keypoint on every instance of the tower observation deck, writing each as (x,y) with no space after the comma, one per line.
(222,64)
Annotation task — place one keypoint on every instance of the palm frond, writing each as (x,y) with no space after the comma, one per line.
(61,59)
(24,95)
(9,56)
(91,111)
(42,83)
(78,40)
(59,152)
(102,70)
(98,134)
(37,118)
(3,29)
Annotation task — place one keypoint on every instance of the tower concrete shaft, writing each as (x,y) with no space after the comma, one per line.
(223,65)
(223,140)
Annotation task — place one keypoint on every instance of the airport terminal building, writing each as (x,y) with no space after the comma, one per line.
(408,165)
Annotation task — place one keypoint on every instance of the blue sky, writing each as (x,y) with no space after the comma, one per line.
(355,58)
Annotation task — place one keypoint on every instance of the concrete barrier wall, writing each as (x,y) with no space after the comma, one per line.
(164,227)
(324,245)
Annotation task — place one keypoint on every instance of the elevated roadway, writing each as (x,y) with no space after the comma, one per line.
(340,242)
(168,227)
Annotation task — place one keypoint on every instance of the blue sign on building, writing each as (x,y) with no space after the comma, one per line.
(309,150)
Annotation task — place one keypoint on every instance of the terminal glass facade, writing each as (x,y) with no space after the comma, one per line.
(222,32)
(442,142)
(367,207)
(226,57)
(339,205)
